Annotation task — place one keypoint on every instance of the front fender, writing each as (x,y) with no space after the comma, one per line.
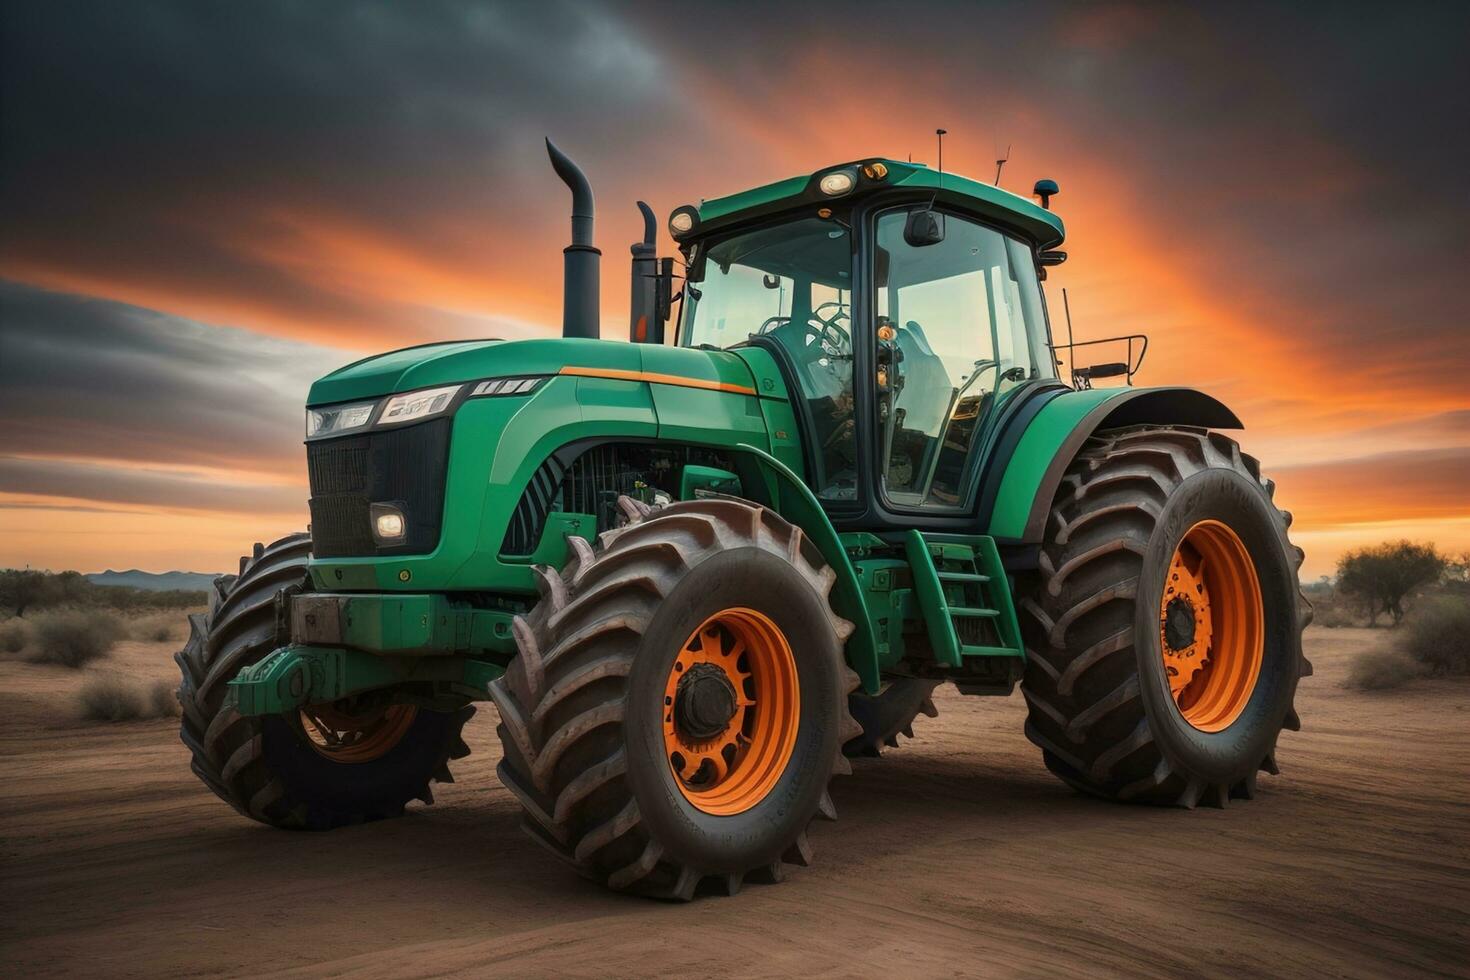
(1056,433)
(768,481)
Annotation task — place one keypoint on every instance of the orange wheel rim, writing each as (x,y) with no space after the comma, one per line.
(1211,626)
(346,734)
(730,713)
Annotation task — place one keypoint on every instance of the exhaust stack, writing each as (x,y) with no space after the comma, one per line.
(645,326)
(581,285)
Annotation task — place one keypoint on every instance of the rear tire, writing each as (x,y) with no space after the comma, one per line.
(1096,684)
(266,767)
(584,705)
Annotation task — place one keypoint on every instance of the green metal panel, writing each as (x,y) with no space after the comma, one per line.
(442,364)
(1038,448)
(793,500)
(781,428)
(888,604)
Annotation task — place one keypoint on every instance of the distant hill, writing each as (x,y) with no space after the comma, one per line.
(154,581)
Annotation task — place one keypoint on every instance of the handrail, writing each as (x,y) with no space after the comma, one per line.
(1086,374)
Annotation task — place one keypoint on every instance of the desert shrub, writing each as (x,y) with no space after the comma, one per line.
(109,698)
(1379,670)
(13,635)
(1438,635)
(25,589)
(159,628)
(74,637)
(163,702)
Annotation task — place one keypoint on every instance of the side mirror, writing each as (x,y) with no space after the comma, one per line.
(923,228)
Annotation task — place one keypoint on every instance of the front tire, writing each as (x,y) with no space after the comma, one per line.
(679,701)
(320,768)
(1163,630)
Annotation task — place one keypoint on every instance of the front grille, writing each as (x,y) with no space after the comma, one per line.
(405,467)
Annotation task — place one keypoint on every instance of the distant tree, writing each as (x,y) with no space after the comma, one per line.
(22,588)
(1381,577)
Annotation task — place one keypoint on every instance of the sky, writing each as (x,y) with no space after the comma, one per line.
(204,206)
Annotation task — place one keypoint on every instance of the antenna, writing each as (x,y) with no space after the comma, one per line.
(1071,344)
(940,133)
(1001,162)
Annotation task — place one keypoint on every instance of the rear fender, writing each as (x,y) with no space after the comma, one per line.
(1055,435)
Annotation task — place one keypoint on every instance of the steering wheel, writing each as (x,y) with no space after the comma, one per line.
(772,323)
(830,333)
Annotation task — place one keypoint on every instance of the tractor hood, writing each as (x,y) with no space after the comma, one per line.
(455,362)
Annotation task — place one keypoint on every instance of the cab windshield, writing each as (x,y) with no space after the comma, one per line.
(791,283)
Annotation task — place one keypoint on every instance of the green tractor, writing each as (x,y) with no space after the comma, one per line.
(695,577)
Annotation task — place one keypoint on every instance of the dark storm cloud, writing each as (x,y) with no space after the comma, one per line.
(98,379)
(1299,156)
(161,145)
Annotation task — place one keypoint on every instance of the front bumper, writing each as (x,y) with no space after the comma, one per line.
(428,646)
(424,625)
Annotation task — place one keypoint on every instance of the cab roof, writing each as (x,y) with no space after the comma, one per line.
(1010,209)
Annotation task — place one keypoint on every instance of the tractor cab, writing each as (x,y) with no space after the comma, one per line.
(904,309)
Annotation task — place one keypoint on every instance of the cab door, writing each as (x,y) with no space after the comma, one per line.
(959,328)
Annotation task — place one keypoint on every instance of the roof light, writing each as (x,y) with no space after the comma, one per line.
(837,182)
(683,220)
(875,171)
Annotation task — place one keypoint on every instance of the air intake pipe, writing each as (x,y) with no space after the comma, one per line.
(581,285)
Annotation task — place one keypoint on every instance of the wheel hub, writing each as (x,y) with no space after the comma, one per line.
(1179,623)
(704,702)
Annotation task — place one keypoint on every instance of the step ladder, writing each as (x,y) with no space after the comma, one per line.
(959,578)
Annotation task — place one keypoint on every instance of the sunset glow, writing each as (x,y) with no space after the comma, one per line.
(181,256)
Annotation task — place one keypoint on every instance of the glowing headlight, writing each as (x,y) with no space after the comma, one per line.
(837,182)
(414,405)
(507,386)
(388,524)
(333,419)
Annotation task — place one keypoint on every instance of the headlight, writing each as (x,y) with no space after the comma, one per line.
(683,220)
(414,405)
(337,418)
(507,386)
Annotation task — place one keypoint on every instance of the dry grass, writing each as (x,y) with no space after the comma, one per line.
(110,698)
(107,697)
(1381,670)
(74,637)
(14,635)
(1437,635)
(158,628)
(163,699)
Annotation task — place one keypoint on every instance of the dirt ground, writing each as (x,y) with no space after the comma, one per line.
(957,855)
